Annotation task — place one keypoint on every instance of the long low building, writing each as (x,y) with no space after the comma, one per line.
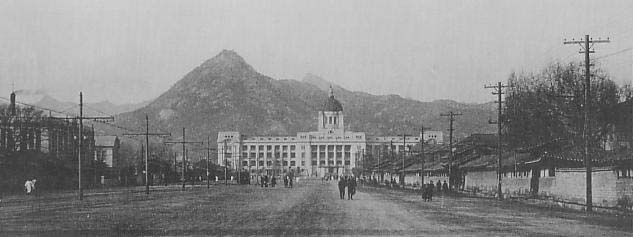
(331,150)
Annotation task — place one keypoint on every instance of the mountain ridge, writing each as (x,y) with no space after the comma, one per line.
(225,93)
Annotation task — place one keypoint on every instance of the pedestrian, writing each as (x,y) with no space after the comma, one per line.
(351,188)
(216,179)
(427,193)
(341,187)
(445,186)
(266,181)
(438,186)
(273,181)
(261,179)
(28,185)
(285,181)
(290,182)
(33,186)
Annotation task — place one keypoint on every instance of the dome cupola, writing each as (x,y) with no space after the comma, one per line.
(331,104)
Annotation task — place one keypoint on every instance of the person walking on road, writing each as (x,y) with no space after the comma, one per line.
(28,186)
(445,186)
(427,192)
(341,187)
(351,188)
(273,181)
(438,186)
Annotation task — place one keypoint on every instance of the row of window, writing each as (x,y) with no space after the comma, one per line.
(331,155)
(292,155)
(293,147)
(268,155)
(270,147)
(330,147)
(292,163)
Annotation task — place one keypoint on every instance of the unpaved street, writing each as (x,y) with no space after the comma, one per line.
(311,208)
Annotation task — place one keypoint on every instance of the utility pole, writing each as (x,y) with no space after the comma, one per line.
(451,118)
(208,149)
(147,134)
(404,148)
(498,90)
(586,45)
(80,138)
(184,154)
(422,154)
(175,168)
(208,154)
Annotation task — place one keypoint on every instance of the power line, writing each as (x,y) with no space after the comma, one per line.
(614,53)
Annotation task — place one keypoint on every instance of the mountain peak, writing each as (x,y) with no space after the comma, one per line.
(228,62)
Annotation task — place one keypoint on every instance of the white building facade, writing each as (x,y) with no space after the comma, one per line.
(329,151)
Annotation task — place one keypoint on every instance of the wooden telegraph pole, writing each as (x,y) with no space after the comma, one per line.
(586,45)
(422,153)
(147,134)
(80,138)
(208,149)
(498,90)
(404,148)
(184,154)
(451,118)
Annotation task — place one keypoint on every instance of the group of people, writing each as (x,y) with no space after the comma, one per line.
(427,189)
(288,182)
(350,184)
(264,181)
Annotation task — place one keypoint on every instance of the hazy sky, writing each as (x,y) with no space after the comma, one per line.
(130,51)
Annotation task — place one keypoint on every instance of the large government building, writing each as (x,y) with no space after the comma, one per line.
(330,150)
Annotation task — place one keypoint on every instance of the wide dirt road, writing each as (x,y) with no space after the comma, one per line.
(311,208)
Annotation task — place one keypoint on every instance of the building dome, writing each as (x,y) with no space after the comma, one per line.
(332,104)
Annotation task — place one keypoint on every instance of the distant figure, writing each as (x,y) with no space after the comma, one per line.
(290,182)
(351,188)
(216,178)
(273,182)
(341,187)
(28,186)
(261,179)
(445,186)
(285,181)
(438,186)
(427,192)
(266,181)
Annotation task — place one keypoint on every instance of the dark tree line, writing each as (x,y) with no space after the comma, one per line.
(548,105)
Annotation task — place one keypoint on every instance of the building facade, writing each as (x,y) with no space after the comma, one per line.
(331,150)
(107,150)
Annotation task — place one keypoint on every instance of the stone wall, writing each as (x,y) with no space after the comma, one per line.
(569,185)
(481,181)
